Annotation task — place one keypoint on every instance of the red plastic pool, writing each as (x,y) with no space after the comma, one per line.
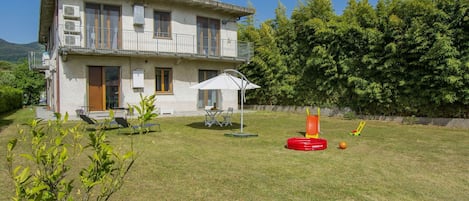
(306,144)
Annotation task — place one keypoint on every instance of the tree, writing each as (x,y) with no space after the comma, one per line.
(31,82)
(48,174)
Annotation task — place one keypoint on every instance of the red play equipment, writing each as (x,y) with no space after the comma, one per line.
(306,144)
(312,124)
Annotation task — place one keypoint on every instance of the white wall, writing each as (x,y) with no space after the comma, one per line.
(74,76)
(183,27)
(73,72)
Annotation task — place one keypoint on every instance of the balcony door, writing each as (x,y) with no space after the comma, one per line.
(208,36)
(103,26)
(207,97)
(103,87)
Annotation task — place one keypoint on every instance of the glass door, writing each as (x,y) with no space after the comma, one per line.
(102,26)
(103,88)
(111,75)
(208,36)
(207,97)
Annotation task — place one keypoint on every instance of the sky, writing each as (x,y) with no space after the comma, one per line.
(20,18)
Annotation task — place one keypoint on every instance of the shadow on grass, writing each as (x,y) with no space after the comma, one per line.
(302,133)
(201,125)
(130,133)
(106,129)
(6,122)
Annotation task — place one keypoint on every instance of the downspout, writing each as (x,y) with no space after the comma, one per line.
(57,68)
(57,77)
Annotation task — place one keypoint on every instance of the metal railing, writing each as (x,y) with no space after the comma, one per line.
(144,42)
(38,61)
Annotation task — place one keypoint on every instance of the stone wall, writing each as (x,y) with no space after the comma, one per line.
(446,122)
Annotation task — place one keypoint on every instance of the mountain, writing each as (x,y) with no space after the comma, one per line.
(13,52)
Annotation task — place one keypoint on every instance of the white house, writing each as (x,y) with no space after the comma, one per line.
(101,54)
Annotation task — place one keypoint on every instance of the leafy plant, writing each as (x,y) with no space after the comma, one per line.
(46,173)
(350,115)
(146,110)
(409,120)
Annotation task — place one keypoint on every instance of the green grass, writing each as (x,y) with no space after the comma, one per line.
(187,161)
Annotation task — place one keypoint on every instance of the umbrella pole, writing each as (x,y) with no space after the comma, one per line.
(242,108)
(243,91)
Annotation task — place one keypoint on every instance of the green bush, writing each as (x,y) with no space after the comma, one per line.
(52,149)
(350,116)
(10,99)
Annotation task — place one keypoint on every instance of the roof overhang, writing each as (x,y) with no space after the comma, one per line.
(231,9)
(46,17)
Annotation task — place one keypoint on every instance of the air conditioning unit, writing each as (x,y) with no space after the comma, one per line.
(71,11)
(72,40)
(72,26)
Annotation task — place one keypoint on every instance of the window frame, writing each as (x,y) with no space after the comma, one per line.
(161,79)
(157,29)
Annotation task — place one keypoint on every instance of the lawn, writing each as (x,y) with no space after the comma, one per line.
(187,161)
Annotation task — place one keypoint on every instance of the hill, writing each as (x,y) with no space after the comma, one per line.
(13,52)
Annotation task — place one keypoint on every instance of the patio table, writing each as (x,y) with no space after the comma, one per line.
(212,117)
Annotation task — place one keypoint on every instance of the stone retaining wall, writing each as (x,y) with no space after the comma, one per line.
(446,122)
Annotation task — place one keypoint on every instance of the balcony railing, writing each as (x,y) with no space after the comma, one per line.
(38,61)
(125,42)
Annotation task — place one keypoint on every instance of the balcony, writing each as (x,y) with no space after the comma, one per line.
(38,61)
(140,43)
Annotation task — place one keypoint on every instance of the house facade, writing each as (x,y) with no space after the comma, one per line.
(102,54)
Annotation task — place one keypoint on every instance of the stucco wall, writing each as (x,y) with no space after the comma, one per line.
(74,84)
(183,27)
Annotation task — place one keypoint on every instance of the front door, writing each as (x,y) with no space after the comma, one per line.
(207,97)
(103,88)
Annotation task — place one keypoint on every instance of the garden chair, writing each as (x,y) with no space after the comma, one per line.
(227,117)
(95,123)
(124,123)
(207,117)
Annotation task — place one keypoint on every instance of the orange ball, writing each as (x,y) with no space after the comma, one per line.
(342,145)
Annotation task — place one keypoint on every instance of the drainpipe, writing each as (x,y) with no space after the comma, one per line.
(57,83)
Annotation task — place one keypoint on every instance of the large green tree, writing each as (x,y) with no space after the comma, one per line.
(404,57)
(31,82)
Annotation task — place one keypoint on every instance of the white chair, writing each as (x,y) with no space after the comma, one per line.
(227,117)
(207,117)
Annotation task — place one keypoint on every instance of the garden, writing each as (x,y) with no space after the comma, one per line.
(188,161)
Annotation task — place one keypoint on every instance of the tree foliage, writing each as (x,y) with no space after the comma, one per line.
(19,76)
(44,171)
(402,57)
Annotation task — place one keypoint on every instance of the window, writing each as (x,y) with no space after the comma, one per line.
(162,24)
(164,80)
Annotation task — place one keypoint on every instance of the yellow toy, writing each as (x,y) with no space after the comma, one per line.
(359,129)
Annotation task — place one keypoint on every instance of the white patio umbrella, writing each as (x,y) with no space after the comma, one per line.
(225,81)
(229,82)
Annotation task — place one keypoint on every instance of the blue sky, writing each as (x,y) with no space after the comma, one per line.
(20,18)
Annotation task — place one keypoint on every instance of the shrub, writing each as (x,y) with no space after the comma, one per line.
(146,110)
(10,99)
(350,115)
(52,146)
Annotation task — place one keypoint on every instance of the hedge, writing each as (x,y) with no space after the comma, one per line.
(10,99)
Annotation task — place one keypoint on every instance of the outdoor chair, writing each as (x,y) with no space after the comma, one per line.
(95,123)
(207,117)
(227,117)
(124,123)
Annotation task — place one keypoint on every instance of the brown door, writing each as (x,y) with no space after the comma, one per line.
(96,89)
(103,87)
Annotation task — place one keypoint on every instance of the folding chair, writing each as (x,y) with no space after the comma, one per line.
(124,123)
(227,117)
